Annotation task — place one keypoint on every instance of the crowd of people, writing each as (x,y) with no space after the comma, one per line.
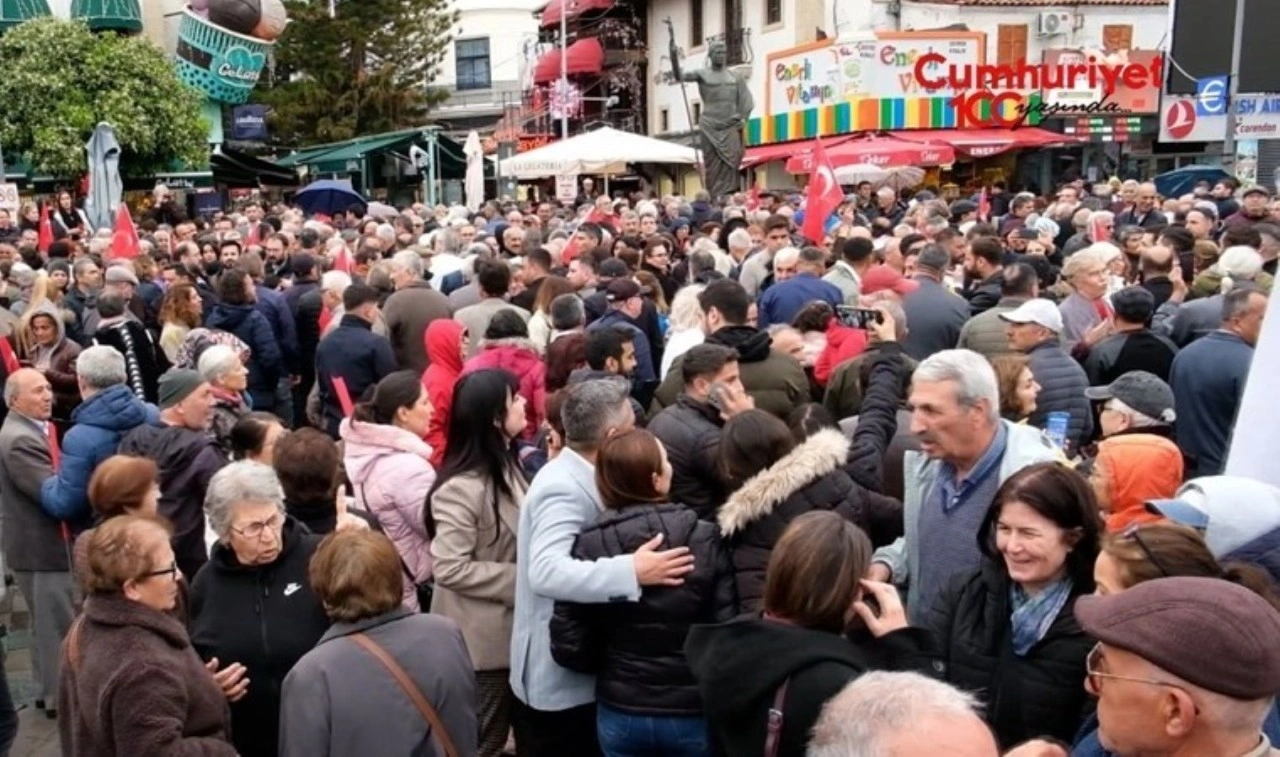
(641,476)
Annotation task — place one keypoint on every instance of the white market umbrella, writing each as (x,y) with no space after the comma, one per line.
(604,151)
(894,177)
(474,185)
(381,210)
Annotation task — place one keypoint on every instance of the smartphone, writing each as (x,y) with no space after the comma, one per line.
(858,318)
(716,395)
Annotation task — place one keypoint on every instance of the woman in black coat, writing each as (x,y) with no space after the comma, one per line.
(236,313)
(795,656)
(1007,631)
(648,700)
(781,479)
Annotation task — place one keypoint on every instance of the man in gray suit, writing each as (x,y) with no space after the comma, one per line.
(555,708)
(32,540)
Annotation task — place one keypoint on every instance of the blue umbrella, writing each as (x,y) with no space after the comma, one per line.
(328,196)
(1181,181)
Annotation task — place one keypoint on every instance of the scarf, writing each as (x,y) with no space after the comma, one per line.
(1032,616)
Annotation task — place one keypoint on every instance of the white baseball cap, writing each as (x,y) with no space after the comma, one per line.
(1036,311)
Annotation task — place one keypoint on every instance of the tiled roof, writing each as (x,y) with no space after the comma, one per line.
(1044,3)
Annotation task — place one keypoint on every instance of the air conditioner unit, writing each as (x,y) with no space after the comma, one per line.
(1053,23)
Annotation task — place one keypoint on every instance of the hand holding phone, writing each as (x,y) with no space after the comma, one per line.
(857,318)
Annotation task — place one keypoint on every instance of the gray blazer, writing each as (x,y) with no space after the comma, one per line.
(32,540)
(561,501)
(846,280)
(340,701)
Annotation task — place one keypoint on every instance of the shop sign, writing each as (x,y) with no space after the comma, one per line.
(883,66)
(1129,78)
(1257,117)
(532,142)
(9,199)
(566,187)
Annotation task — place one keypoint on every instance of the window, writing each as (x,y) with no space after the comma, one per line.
(1117,37)
(664,121)
(696,34)
(1011,44)
(772,12)
(697,115)
(472,56)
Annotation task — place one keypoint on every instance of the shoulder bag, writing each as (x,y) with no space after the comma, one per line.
(411,689)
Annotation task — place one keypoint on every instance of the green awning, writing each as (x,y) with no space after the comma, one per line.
(295,159)
(117,15)
(340,160)
(14,12)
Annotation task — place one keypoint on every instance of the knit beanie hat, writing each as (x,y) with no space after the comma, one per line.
(176,385)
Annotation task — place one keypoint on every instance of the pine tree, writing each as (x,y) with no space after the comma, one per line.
(364,71)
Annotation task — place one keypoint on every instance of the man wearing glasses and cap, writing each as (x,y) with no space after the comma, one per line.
(1183,666)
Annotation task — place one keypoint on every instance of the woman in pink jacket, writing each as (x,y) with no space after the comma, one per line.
(389,466)
(506,346)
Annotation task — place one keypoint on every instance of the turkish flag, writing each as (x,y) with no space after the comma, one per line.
(124,237)
(984,206)
(46,229)
(823,197)
(753,198)
(8,357)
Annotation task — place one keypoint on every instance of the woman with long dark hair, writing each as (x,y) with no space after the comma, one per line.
(389,466)
(473,512)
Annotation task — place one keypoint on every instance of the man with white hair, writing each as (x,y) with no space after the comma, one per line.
(410,310)
(884,714)
(966,453)
(109,410)
(740,245)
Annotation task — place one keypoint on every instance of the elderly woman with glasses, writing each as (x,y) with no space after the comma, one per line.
(252,603)
(131,681)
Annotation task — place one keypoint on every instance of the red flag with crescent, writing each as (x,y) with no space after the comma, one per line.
(823,196)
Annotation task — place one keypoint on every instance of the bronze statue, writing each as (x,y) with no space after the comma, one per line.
(726,106)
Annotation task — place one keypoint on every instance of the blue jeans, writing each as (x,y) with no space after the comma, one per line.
(626,735)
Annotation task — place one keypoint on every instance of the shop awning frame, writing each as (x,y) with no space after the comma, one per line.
(551,14)
(762,154)
(336,158)
(983,143)
(586,56)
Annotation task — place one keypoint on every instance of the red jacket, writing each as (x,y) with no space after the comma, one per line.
(443,340)
(843,343)
(519,358)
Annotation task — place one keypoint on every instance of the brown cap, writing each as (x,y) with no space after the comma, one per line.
(1212,633)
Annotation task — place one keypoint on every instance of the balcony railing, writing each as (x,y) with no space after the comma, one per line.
(737,44)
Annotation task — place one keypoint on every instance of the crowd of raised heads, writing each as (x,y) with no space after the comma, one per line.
(640,475)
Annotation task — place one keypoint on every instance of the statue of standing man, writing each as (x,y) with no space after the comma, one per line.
(726,106)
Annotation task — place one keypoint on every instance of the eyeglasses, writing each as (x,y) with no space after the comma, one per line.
(1094,677)
(1134,533)
(257,529)
(171,571)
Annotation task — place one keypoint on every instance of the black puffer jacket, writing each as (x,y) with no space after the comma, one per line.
(637,648)
(1062,383)
(1041,694)
(690,431)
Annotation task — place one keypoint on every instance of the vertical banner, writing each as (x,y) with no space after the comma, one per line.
(249,123)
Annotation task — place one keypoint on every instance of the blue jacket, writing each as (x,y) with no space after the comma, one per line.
(781,302)
(644,372)
(97,427)
(1208,378)
(275,308)
(266,363)
(1062,383)
(356,354)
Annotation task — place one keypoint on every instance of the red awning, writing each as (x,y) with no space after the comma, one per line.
(551,14)
(885,152)
(761,154)
(585,56)
(981,143)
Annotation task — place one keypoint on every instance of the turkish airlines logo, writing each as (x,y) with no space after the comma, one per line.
(1180,119)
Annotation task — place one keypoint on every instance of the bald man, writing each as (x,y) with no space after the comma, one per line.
(1145,211)
(32,540)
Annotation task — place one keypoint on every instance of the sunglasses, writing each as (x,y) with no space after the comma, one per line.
(1134,533)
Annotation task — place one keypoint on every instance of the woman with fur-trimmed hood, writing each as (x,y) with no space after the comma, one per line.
(781,479)
(506,346)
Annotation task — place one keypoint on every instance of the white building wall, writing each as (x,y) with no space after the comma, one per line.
(843,18)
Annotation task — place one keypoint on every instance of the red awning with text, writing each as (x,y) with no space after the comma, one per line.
(982,143)
(586,56)
(551,14)
(761,154)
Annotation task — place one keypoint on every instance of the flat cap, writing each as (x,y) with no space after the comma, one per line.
(1209,632)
